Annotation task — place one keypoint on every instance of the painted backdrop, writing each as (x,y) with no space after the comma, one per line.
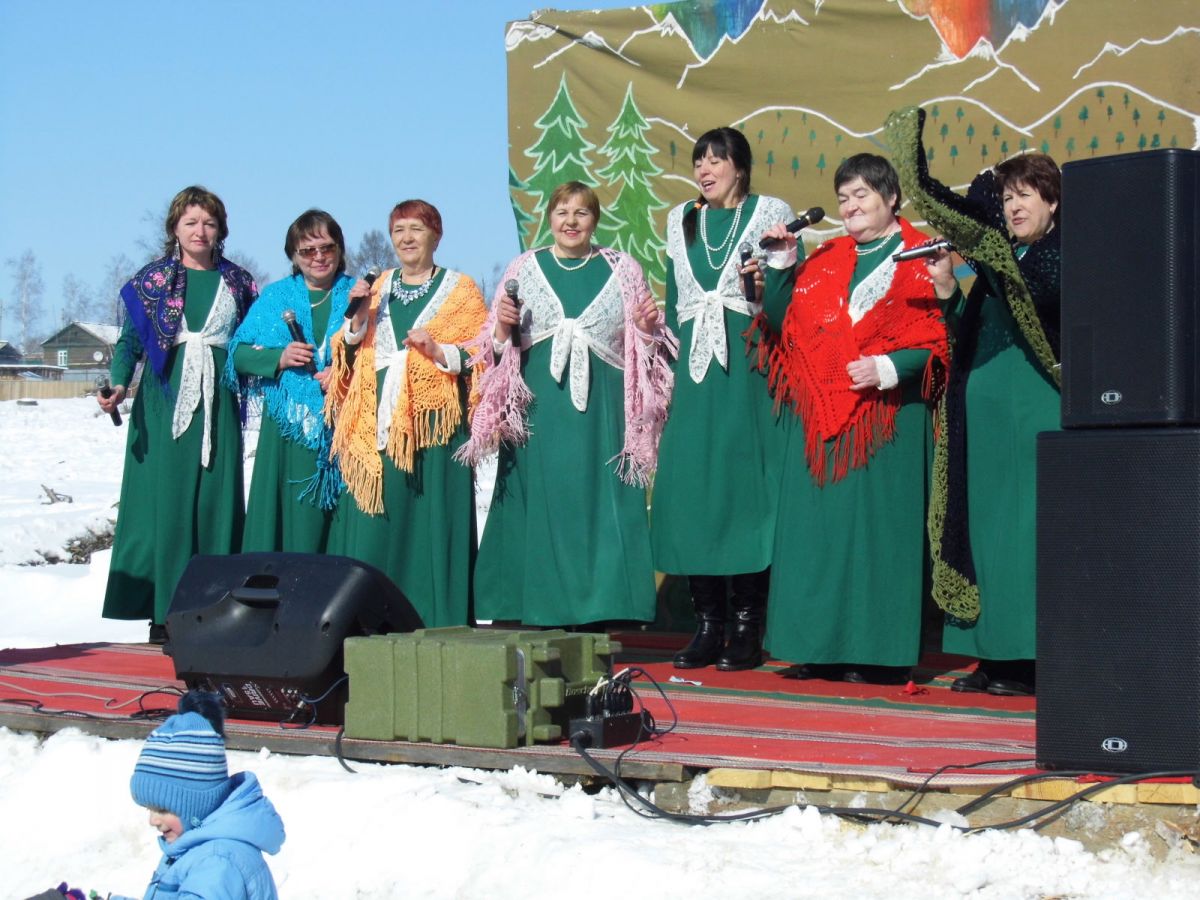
(617,98)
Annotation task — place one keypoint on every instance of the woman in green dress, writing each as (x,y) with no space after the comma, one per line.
(1002,391)
(715,492)
(181,491)
(861,343)
(295,485)
(574,380)
(398,408)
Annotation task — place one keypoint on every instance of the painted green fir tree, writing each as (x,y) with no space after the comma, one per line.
(628,222)
(559,155)
(523,218)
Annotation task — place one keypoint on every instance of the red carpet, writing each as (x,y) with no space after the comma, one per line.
(758,719)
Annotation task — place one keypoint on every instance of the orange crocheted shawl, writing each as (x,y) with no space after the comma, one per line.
(428,410)
(818,340)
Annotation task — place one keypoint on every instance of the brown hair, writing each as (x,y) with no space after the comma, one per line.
(309,224)
(207,201)
(420,210)
(569,189)
(1035,170)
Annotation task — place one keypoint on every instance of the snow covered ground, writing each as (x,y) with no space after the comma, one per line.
(400,831)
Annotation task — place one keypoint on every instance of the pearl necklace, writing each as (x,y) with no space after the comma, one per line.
(408,295)
(883,242)
(575,268)
(709,250)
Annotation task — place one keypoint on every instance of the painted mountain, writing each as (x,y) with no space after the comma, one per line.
(617,98)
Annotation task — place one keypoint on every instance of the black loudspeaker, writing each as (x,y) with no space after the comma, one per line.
(1118,599)
(265,630)
(1130,281)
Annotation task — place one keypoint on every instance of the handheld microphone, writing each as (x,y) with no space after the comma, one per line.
(811,217)
(746,252)
(293,328)
(369,278)
(106,391)
(510,288)
(922,250)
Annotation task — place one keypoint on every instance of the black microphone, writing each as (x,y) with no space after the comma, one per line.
(747,278)
(922,250)
(812,217)
(298,335)
(369,278)
(106,391)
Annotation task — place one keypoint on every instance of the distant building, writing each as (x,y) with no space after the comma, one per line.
(84,349)
(10,355)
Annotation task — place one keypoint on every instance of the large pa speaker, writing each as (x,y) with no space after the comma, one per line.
(265,630)
(1130,276)
(1118,600)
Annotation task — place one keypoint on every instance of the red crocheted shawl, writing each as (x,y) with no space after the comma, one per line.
(818,340)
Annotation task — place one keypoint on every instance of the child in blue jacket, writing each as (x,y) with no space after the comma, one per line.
(213,827)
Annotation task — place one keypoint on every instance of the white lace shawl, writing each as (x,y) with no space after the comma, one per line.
(600,328)
(707,308)
(198,380)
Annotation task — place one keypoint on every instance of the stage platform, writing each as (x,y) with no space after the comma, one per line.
(752,730)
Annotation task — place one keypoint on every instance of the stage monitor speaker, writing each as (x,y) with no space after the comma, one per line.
(1118,600)
(265,630)
(1130,276)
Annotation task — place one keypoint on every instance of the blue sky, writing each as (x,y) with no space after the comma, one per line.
(109,108)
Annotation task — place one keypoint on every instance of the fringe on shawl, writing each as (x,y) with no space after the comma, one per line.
(499,394)
(872,421)
(427,412)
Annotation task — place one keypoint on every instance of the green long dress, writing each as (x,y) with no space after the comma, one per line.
(424,539)
(276,520)
(566,541)
(1009,400)
(172,507)
(722,447)
(848,574)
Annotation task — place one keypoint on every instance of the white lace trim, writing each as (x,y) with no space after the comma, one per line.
(871,289)
(393,357)
(197,381)
(707,308)
(599,328)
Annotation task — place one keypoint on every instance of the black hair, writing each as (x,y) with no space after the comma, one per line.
(724,143)
(208,704)
(875,171)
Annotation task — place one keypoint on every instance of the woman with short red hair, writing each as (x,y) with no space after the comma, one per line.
(398,409)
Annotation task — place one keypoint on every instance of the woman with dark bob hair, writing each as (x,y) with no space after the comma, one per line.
(862,347)
(295,485)
(181,492)
(399,409)
(573,395)
(1003,390)
(714,497)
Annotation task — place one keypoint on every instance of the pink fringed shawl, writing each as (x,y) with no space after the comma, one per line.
(499,414)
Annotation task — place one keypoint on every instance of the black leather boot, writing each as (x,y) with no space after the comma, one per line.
(708,599)
(744,650)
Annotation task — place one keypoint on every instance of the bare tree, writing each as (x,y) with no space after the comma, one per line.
(78,301)
(374,251)
(250,264)
(110,307)
(488,283)
(28,290)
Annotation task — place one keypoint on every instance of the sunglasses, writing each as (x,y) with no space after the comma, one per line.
(313,252)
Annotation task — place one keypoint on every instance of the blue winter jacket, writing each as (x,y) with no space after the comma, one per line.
(222,858)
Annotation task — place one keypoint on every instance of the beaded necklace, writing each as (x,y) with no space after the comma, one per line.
(406,295)
(575,268)
(727,244)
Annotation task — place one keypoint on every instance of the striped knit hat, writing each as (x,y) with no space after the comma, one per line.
(182,769)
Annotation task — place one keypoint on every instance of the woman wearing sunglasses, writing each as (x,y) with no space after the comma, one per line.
(295,485)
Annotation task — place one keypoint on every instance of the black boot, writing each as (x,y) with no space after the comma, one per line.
(744,650)
(708,599)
